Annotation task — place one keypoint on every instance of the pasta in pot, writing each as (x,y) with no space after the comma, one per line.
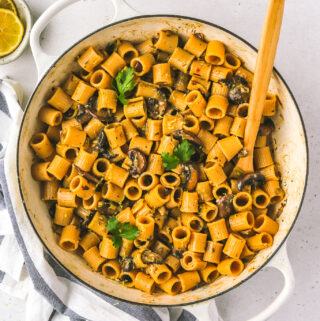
(138,158)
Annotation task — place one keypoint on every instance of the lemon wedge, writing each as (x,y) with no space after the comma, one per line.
(11,31)
(8,4)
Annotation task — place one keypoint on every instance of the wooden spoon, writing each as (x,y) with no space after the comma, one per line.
(262,74)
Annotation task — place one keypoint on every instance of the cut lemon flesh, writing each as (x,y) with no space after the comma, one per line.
(8,4)
(11,32)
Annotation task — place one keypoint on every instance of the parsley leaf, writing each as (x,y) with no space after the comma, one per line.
(184,151)
(116,240)
(169,161)
(113,225)
(124,83)
(181,154)
(127,231)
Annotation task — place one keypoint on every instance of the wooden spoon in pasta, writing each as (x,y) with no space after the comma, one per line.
(262,74)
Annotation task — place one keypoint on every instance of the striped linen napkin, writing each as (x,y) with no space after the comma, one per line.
(27,271)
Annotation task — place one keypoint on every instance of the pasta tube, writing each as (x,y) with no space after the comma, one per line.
(260,241)
(141,65)
(196,45)
(107,250)
(234,246)
(172,286)
(167,41)
(50,116)
(113,64)
(232,61)
(196,102)
(260,199)
(264,223)
(192,261)
(111,269)
(89,240)
(83,92)
(145,224)
(204,191)
(192,221)
(112,192)
(188,280)
(41,145)
(216,107)
(181,59)
(127,51)
(209,274)
(159,272)
(157,197)
(218,230)
(69,239)
(60,100)
(189,202)
(90,59)
(213,251)
(241,221)
(58,167)
(180,236)
(100,79)
(93,258)
(215,53)
(232,267)
(144,282)
(197,242)
(162,74)
(208,211)
(242,202)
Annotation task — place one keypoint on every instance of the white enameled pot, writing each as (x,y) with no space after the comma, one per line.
(289,141)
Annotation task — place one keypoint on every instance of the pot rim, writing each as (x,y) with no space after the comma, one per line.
(70,273)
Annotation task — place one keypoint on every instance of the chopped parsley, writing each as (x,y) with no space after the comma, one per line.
(124,82)
(181,154)
(126,231)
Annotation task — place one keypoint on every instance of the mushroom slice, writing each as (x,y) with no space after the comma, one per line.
(239,94)
(225,206)
(239,91)
(189,176)
(82,116)
(182,134)
(90,177)
(138,160)
(156,108)
(254,179)
(107,207)
(149,257)
(127,264)
(177,253)
(100,144)
(266,128)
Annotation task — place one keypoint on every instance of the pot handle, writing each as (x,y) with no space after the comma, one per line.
(280,262)
(42,59)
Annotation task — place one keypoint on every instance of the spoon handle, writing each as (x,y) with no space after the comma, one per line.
(262,74)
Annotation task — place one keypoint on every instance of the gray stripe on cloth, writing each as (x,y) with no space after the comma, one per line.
(3,103)
(142,313)
(186,316)
(2,274)
(52,315)
(39,284)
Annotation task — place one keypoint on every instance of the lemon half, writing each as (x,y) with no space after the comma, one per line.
(11,31)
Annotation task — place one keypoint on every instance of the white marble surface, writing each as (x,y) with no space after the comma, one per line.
(299,63)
